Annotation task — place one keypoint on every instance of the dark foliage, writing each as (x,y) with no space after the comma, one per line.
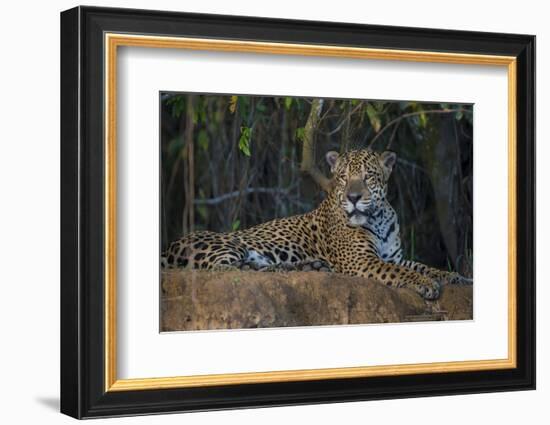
(231,162)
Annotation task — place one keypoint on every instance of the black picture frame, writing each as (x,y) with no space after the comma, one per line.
(83,392)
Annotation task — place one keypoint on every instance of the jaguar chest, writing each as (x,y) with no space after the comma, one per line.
(385,229)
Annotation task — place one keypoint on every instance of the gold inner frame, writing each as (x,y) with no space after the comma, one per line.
(113,41)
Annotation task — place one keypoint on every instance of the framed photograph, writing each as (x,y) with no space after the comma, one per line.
(261,212)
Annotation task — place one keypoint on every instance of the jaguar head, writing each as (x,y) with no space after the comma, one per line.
(360,180)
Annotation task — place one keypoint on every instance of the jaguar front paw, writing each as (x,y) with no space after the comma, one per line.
(428,289)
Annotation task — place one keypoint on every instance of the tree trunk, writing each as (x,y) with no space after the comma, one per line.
(308,164)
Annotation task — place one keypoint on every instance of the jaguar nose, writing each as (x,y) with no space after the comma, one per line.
(354,197)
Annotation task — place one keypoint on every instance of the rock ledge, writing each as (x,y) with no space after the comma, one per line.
(204,300)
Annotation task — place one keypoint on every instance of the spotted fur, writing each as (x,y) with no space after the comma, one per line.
(354,230)
(385,227)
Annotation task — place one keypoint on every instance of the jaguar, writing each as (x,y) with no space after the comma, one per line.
(354,231)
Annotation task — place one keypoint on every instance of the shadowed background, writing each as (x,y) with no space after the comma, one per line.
(230,162)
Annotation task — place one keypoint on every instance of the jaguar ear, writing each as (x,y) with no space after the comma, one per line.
(388,160)
(332,159)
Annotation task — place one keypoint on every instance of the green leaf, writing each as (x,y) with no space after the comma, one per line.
(202,114)
(178,105)
(203,211)
(175,145)
(233,104)
(373,118)
(459,115)
(202,139)
(236,224)
(378,106)
(244,105)
(288,103)
(300,133)
(423,120)
(244,140)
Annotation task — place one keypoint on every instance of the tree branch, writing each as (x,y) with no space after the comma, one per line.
(237,193)
(412,114)
(308,148)
(189,176)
